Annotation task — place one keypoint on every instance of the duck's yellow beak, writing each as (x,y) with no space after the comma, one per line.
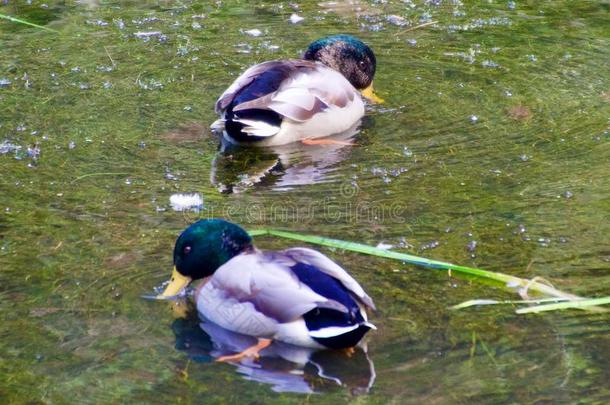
(370,95)
(176,284)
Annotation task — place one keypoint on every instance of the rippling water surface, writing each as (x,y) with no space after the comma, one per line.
(492,150)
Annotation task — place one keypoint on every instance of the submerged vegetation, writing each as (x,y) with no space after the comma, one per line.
(491,151)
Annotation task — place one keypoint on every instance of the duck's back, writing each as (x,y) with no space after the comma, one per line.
(298,296)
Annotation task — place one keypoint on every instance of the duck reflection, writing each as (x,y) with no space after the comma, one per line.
(284,367)
(236,169)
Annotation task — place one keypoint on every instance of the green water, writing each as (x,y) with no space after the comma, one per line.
(492,150)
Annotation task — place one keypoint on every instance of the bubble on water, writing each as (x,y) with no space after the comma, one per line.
(103,68)
(170,176)
(426,17)
(295,18)
(26,79)
(188,108)
(403,243)
(532,58)
(430,245)
(412,41)
(562,239)
(372,27)
(119,23)
(269,46)
(196,26)
(107,85)
(71,145)
(243,48)
(147,35)
(524,157)
(183,202)
(384,246)
(84,86)
(407,152)
(182,51)
(544,242)
(146,20)
(128,181)
(490,64)
(471,246)
(8,147)
(76,69)
(511,5)
(4,82)
(150,84)
(99,23)
(568,194)
(474,119)
(378,171)
(252,32)
(33,152)
(397,20)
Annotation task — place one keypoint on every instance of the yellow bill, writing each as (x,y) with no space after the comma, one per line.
(176,284)
(370,95)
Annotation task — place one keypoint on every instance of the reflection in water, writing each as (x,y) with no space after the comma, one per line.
(285,367)
(237,168)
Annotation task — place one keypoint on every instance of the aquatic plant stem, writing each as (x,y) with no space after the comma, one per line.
(508,280)
(20,21)
(99,174)
(580,304)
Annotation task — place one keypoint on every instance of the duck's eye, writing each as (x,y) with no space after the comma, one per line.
(362,64)
(187,249)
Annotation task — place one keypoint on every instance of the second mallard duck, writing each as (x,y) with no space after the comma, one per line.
(297,296)
(279,102)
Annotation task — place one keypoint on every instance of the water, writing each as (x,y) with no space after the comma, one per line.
(491,150)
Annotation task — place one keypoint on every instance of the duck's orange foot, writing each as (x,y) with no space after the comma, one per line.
(252,351)
(325,142)
(350,351)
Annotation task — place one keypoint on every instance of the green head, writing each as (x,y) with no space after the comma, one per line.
(202,248)
(347,55)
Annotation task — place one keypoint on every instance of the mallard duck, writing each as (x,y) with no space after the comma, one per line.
(284,101)
(297,296)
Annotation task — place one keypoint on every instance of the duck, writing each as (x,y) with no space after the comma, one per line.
(297,296)
(285,101)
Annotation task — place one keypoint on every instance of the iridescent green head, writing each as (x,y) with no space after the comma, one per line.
(202,248)
(346,54)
